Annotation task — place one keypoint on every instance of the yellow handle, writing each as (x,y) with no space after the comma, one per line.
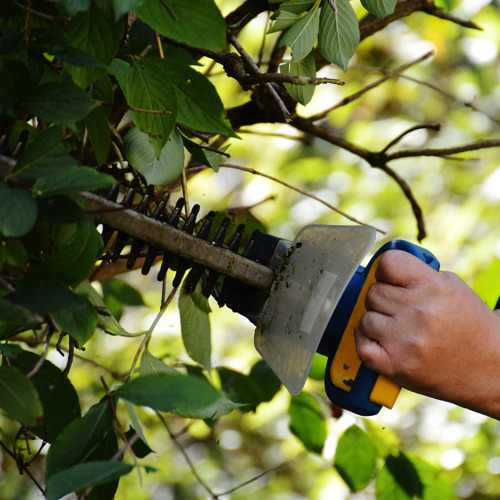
(345,364)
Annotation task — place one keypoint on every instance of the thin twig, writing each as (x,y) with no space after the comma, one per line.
(43,356)
(364,90)
(443,152)
(429,126)
(431,86)
(185,455)
(255,69)
(24,468)
(159,46)
(298,190)
(43,15)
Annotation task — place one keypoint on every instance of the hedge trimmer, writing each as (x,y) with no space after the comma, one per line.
(304,296)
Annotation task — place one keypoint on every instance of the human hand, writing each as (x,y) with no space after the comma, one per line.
(431,333)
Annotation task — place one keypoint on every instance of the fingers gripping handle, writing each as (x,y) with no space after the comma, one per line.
(349,383)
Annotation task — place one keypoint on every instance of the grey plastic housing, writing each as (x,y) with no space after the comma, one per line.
(317,269)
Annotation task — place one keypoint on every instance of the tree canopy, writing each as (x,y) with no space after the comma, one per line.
(270,114)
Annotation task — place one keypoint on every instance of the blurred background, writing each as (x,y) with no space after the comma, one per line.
(460,199)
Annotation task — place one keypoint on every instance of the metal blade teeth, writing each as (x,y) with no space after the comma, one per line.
(170,261)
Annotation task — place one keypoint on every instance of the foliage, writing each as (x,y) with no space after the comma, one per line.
(152,93)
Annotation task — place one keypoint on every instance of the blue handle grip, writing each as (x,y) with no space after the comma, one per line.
(357,399)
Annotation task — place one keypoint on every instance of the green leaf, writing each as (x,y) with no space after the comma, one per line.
(18,396)
(355,458)
(78,247)
(59,102)
(282,20)
(106,321)
(437,485)
(306,67)
(118,293)
(150,365)
(141,449)
(122,7)
(296,6)
(241,388)
(200,106)
(44,156)
(399,480)
(318,367)
(44,298)
(208,158)
(59,399)
(195,326)
(99,134)
(14,318)
(141,155)
(74,6)
(268,382)
(307,421)
(301,36)
(82,476)
(120,68)
(80,323)
(338,33)
(379,8)
(79,439)
(187,396)
(18,211)
(107,450)
(73,180)
(15,84)
(92,32)
(60,210)
(148,87)
(202,26)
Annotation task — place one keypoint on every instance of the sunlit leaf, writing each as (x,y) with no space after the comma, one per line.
(158,170)
(379,8)
(306,67)
(184,395)
(148,88)
(355,458)
(338,32)
(195,326)
(150,365)
(282,20)
(297,6)
(307,421)
(200,106)
(18,396)
(82,476)
(301,36)
(202,26)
